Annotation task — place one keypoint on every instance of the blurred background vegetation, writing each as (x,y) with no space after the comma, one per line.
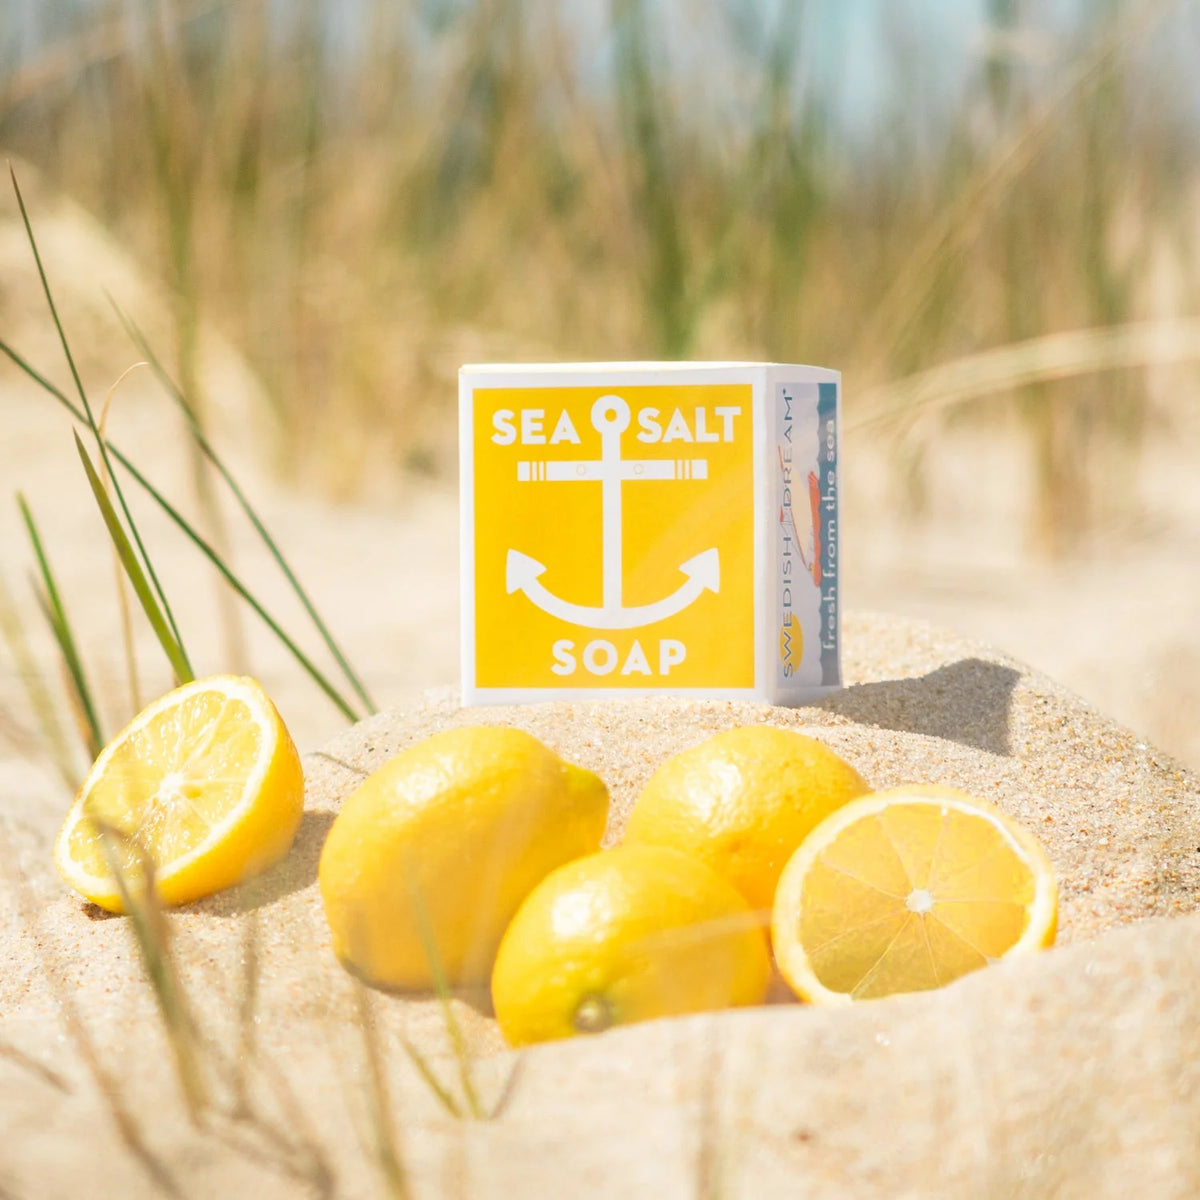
(363,195)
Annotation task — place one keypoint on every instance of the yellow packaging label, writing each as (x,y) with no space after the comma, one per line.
(615,533)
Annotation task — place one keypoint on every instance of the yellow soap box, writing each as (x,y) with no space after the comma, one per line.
(649,528)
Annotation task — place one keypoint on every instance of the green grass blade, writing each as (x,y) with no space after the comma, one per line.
(172,648)
(148,925)
(37,258)
(206,448)
(430,1078)
(88,415)
(313,671)
(43,382)
(62,993)
(60,625)
(36,693)
(437,969)
(77,708)
(380,1103)
(182,523)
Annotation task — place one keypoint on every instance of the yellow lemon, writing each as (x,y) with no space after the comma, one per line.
(626,935)
(205,782)
(906,890)
(742,802)
(432,855)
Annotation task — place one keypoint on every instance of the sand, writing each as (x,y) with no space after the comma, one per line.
(1073,1073)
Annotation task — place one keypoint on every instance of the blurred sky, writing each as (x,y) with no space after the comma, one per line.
(862,57)
(848,46)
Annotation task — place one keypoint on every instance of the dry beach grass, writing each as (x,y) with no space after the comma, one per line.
(1115,622)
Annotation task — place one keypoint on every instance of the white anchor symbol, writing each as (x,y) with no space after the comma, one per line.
(610,418)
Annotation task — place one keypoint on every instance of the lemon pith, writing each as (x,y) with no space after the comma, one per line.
(742,801)
(443,843)
(907,890)
(626,935)
(205,781)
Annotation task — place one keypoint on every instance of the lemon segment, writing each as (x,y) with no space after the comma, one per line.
(205,783)
(742,801)
(436,850)
(622,936)
(906,890)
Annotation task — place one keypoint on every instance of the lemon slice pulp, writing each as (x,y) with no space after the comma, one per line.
(906,890)
(206,783)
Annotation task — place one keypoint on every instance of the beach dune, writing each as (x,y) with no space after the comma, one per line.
(1073,1073)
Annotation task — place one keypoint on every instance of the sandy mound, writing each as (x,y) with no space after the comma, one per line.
(1070,1071)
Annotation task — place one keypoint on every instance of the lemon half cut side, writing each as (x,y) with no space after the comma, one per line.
(205,783)
(906,890)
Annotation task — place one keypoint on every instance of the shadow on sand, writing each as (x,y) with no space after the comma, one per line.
(968,701)
(297,871)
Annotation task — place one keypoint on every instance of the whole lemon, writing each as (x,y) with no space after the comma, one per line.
(626,935)
(436,850)
(742,802)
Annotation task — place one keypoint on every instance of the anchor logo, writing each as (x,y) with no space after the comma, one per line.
(610,418)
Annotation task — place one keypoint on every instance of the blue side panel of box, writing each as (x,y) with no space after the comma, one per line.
(830,627)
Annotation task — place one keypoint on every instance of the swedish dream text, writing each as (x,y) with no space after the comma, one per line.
(787,656)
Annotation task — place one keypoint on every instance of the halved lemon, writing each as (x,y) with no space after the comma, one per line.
(206,783)
(906,890)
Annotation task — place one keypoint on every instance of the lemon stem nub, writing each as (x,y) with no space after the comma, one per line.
(594,1015)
